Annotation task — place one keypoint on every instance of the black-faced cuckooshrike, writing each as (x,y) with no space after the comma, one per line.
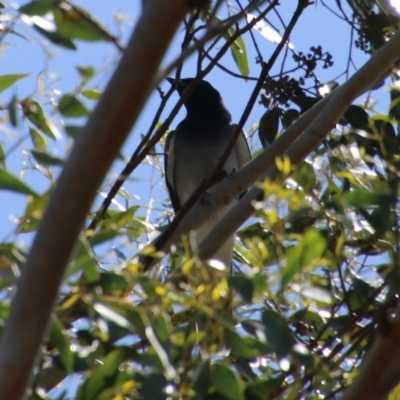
(194,149)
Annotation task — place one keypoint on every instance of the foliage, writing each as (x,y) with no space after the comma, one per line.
(314,269)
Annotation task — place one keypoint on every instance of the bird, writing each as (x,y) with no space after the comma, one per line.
(194,149)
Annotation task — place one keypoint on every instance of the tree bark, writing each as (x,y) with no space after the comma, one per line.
(90,159)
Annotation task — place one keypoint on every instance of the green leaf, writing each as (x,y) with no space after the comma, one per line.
(151,386)
(293,264)
(75,23)
(54,36)
(244,286)
(101,378)
(7,80)
(13,111)
(304,175)
(202,380)
(91,94)
(73,130)
(362,289)
(309,318)
(113,284)
(60,340)
(37,7)
(10,182)
(38,141)
(2,157)
(381,219)
(300,220)
(70,106)
(239,54)
(46,159)
(262,390)
(84,261)
(395,104)
(357,117)
(278,333)
(314,246)
(122,314)
(310,248)
(268,127)
(33,213)
(111,315)
(244,347)
(289,116)
(318,294)
(86,72)
(226,382)
(34,112)
(363,198)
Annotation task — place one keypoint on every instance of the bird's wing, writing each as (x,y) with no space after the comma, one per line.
(169,166)
(242,151)
(241,147)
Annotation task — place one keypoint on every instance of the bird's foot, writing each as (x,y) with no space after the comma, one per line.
(204,199)
(232,173)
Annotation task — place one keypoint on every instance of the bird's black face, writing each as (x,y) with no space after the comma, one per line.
(203,101)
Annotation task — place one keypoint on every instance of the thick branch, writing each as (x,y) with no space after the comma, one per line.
(337,104)
(90,159)
(379,372)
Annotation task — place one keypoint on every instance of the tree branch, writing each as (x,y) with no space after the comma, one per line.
(380,372)
(90,159)
(334,107)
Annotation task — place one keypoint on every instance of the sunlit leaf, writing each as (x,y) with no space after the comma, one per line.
(52,34)
(75,23)
(318,294)
(37,7)
(86,72)
(34,112)
(91,94)
(310,248)
(70,106)
(239,54)
(38,141)
(10,182)
(7,80)
(304,175)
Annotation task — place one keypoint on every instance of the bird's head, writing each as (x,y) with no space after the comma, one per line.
(204,101)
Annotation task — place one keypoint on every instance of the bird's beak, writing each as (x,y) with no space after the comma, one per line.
(178,85)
